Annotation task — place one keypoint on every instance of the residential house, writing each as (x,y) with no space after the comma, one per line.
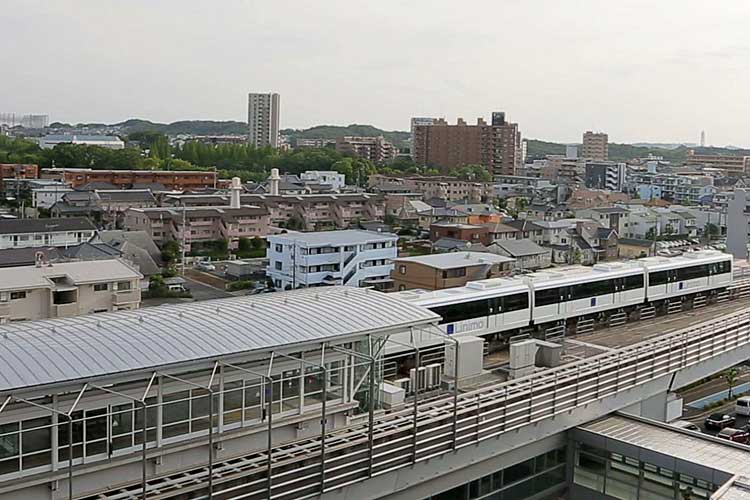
(634,248)
(527,254)
(467,232)
(55,232)
(612,217)
(447,270)
(67,289)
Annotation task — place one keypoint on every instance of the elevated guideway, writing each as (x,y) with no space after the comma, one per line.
(396,453)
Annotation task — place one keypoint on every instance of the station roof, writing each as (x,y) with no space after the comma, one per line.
(684,445)
(58,351)
(452,260)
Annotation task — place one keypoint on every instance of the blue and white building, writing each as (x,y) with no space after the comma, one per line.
(350,257)
(105,141)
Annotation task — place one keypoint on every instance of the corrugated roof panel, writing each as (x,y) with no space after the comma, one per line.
(69,349)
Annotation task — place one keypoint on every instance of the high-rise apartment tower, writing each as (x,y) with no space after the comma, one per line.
(263,120)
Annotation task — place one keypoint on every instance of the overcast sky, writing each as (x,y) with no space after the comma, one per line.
(639,70)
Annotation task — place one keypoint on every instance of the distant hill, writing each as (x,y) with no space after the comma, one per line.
(537,149)
(398,138)
(192,127)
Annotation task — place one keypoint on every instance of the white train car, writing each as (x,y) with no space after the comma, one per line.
(479,308)
(565,294)
(690,273)
(574,292)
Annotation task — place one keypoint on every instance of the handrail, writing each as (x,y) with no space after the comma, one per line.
(482,414)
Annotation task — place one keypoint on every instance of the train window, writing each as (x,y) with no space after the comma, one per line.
(515,302)
(462,311)
(657,278)
(591,289)
(723,267)
(692,272)
(547,297)
(633,282)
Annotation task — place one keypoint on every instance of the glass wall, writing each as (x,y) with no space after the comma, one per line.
(517,482)
(175,411)
(627,478)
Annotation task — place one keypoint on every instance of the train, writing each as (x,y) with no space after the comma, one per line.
(537,302)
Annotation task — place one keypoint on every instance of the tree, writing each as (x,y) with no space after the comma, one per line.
(522,204)
(651,233)
(170,251)
(730,376)
(712,231)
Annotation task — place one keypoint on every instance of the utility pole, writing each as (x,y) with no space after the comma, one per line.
(183,240)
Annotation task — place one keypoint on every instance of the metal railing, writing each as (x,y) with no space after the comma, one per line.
(399,438)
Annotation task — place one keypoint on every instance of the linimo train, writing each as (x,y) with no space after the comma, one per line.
(502,307)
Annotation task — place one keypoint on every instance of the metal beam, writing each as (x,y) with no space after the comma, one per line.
(210,421)
(67,415)
(144,426)
(269,431)
(371,415)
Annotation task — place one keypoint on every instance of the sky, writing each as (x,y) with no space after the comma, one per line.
(642,71)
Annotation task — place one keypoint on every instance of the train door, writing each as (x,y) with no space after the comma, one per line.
(495,317)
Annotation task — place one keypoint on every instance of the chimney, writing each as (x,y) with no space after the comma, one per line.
(273,182)
(236,190)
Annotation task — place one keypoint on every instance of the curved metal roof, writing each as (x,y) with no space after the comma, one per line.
(69,349)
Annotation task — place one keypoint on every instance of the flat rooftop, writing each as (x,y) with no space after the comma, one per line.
(694,447)
(451,260)
(344,237)
(78,273)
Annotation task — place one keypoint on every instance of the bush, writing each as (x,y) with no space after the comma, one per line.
(239,285)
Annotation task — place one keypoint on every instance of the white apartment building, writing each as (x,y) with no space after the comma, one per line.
(349,257)
(64,232)
(331,178)
(45,197)
(263,119)
(104,141)
(68,289)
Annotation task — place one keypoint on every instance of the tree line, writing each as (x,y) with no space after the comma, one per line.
(151,150)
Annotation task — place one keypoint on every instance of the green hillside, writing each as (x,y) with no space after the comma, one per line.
(398,138)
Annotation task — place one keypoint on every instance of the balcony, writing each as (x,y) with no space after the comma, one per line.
(65,310)
(125,297)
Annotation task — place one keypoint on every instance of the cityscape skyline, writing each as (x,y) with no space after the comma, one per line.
(638,79)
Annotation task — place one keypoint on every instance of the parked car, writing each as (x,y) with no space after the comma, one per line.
(205,266)
(719,421)
(688,426)
(742,406)
(735,435)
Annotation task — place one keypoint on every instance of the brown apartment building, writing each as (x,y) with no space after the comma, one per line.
(496,146)
(733,166)
(375,149)
(196,225)
(316,211)
(439,186)
(18,171)
(595,146)
(447,270)
(125,179)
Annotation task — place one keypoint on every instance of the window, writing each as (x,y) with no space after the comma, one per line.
(515,302)
(547,297)
(658,278)
(101,287)
(632,282)
(279,248)
(692,272)
(591,289)
(123,286)
(277,265)
(402,269)
(454,273)
(17,295)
